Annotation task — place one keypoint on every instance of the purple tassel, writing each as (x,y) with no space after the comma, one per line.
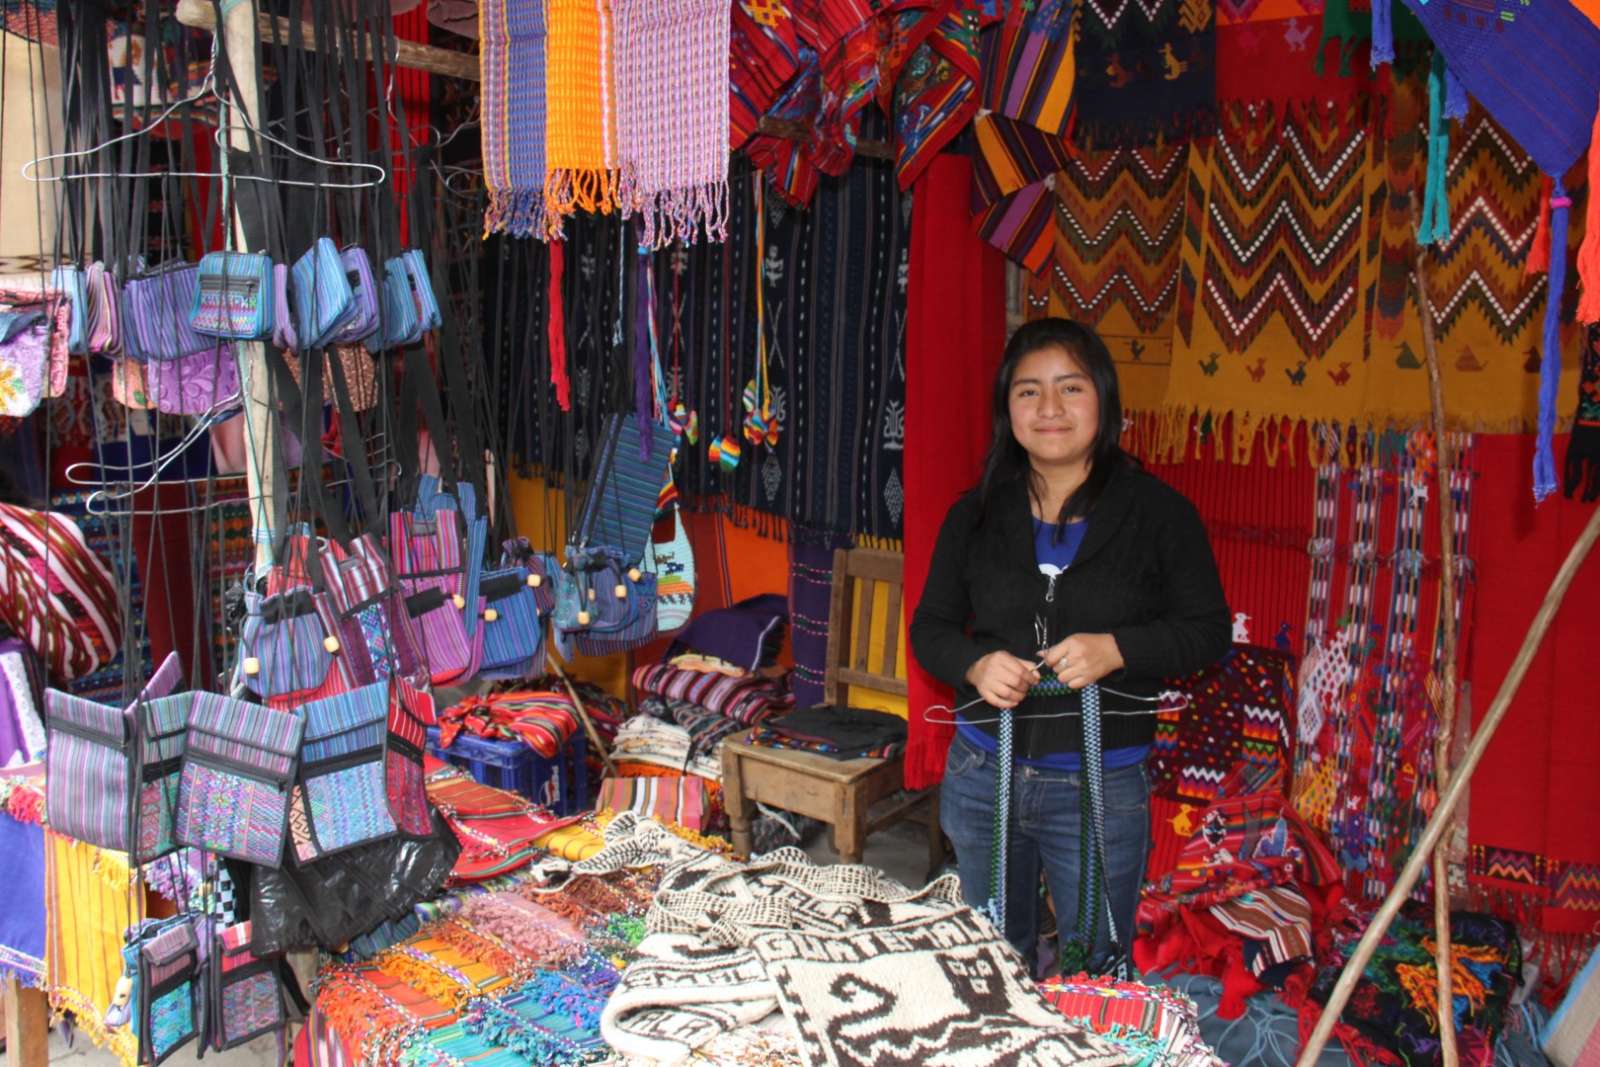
(1455,96)
(643,394)
(1382,32)
(1544,462)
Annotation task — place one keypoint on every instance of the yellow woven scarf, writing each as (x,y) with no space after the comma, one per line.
(581,110)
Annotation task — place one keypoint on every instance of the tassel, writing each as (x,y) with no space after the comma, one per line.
(1539,251)
(1544,463)
(1455,96)
(1382,32)
(1435,203)
(558,329)
(1589,251)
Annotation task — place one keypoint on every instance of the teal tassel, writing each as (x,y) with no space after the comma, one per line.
(1435,225)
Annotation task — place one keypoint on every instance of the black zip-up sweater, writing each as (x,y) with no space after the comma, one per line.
(1144,574)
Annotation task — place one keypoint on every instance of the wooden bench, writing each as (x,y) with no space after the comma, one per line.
(840,793)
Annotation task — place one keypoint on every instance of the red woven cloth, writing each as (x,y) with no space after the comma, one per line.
(955,333)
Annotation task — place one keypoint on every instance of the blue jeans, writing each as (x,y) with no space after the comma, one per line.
(1045,835)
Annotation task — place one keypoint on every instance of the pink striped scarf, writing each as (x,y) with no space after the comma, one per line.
(672,116)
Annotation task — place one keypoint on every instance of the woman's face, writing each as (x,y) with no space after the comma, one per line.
(1055,412)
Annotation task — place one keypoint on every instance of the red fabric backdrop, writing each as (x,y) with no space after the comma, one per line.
(955,332)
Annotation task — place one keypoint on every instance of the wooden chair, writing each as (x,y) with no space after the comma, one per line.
(839,792)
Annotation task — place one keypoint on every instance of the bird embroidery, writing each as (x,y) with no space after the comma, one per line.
(1298,375)
(1534,360)
(1340,376)
(1259,371)
(1174,66)
(1210,367)
(1136,347)
(1296,35)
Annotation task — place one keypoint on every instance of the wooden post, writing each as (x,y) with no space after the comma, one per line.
(583,716)
(1451,797)
(238,39)
(27,1026)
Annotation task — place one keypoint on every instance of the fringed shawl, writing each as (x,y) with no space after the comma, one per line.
(672,116)
(581,110)
(512,63)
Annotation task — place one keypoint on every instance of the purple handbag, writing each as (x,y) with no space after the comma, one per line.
(196,384)
(158,304)
(364,314)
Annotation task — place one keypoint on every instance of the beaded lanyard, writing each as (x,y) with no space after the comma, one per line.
(1091,885)
(1384,832)
(1358,602)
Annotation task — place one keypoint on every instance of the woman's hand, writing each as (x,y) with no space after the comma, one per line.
(1084,659)
(1002,679)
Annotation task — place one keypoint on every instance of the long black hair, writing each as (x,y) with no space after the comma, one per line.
(1007,461)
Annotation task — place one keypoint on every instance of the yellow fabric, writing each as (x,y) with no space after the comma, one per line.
(572,843)
(89,898)
(1488,310)
(580,109)
(1275,271)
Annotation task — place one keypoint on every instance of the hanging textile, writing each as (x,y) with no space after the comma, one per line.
(764,53)
(936,94)
(1115,261)
(955,334)
(1487,308)
(1028,68)
(1274,269)
(1146,72)
(58,595)
(581,150)
(1534,854)
(834,291)
(672,116)
(1022,225)
(511,62)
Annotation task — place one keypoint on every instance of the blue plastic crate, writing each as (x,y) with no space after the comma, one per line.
(560,784)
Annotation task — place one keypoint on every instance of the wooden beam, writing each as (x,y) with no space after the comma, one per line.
(409,54)
(799,131)
(27,1026)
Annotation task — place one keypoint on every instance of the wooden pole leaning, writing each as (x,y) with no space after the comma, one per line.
(1447,667)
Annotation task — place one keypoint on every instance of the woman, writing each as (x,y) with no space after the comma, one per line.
(1069,556)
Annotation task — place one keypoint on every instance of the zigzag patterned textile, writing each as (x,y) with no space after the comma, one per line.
(1275,270)
(1487,309)
(1118,214)
(1146,71)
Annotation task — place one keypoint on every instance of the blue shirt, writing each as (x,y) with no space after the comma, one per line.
(1053,557)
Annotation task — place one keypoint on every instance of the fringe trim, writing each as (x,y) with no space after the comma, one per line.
(518,212)
(23,802)
(678,215)
(426,980)
(1182,433)
(87,1016)
(567,191)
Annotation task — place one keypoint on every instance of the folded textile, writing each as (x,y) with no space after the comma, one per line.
(1157,1025)
(498,830)
(707,728)
(650,740)
(748,634)
(687,800)
(545,720)
(699,661)
(843,733)
(748,699)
